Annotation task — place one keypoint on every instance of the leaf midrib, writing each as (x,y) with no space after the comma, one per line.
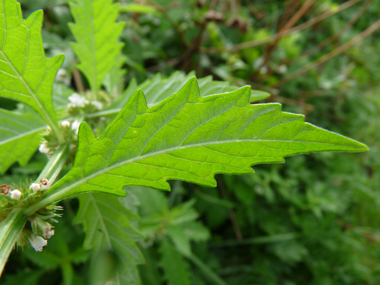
(56,196)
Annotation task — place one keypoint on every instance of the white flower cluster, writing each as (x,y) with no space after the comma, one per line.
(45,148)
(77,100)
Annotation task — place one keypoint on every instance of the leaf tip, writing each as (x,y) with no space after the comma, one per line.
(139,101)
(191,89)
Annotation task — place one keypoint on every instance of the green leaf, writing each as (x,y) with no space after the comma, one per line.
(180,240)
(190,138)
(196,231)
(26,75)
(107,224)
(158,89)
(97,35)
(114,81)
(20,136)
(175,267)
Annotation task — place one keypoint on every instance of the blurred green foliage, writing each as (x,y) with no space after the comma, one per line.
(314,220)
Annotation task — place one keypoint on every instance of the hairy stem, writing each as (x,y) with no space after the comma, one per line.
(50,172)
(10,230)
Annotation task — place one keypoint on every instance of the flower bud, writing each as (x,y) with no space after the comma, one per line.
(35,187)
(97,104)
(16,194)
(75,126)
(65,124)
(44,149)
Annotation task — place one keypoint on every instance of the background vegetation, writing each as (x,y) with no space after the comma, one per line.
(314,220)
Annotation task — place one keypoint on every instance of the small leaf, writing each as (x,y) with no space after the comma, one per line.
(26,75)
(107,224)
(180,240)
(191,138)
(176,269)
(97,35)
(20,136)
(196,231)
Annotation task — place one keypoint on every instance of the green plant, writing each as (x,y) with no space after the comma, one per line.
(217,133)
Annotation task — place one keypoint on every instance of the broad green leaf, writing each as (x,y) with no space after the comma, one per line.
(20,136)
(191,138)
(97,34)
(158,89)
(26,75)
(107,224)
(176,269)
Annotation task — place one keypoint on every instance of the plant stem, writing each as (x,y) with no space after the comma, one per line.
(50,172)
(10,230)
(55,164)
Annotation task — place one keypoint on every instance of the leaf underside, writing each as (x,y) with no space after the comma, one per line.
(26,75)
(97,34)
(107,224)
(190,138)
(158,89)
(20,136)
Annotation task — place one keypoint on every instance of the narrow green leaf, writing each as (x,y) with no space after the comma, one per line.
(20,136)
(175,267)
(107,224)
(26,75)
(97,35)
(191,138)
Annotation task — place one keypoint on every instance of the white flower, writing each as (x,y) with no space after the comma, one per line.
(37,242)
(75,126)
(16,194)
(35,187)
(49,234)
(61,75)
(77,100)
(97,104)
(44,149)
(65,124)
(48,129)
